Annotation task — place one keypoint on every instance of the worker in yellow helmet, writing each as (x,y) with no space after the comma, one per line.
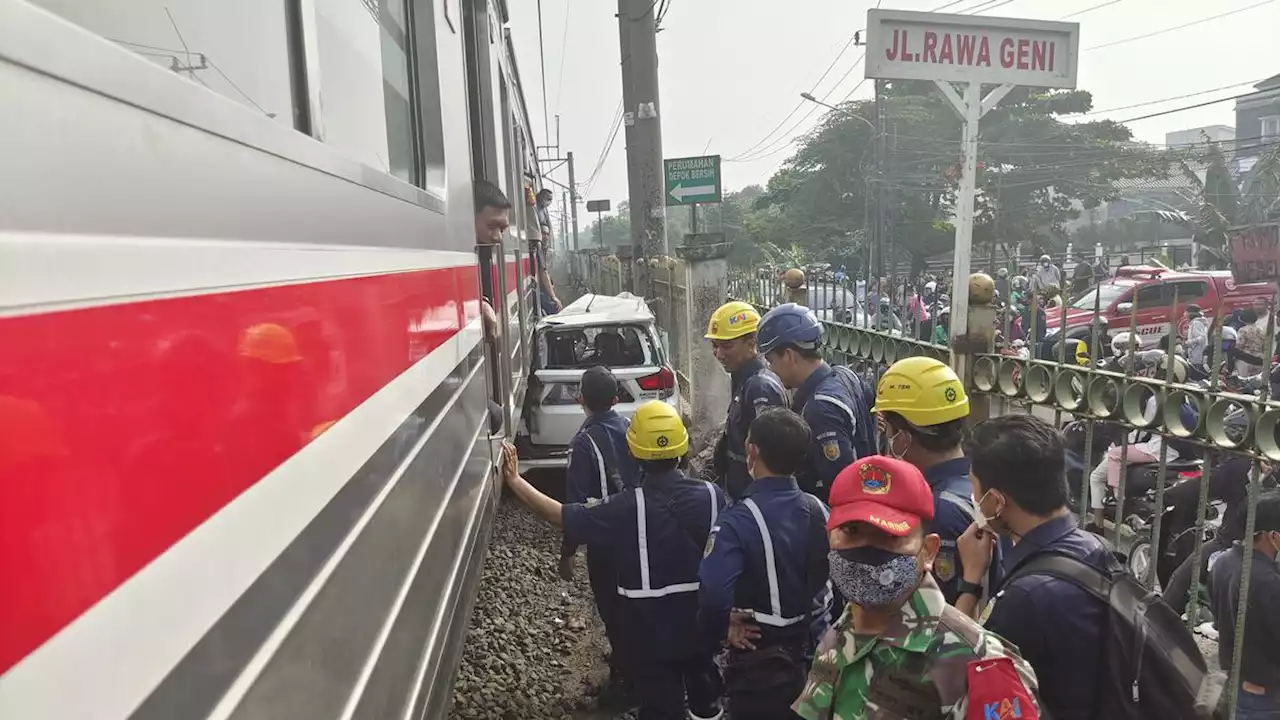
(658,532)
(732,332)
(921,406)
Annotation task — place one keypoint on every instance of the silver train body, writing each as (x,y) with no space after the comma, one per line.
(246,468)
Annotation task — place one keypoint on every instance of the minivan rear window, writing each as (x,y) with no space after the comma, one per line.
(613,346)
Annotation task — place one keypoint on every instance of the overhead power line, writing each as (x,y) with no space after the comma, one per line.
(1192,107)
(1171,97)
(768,137)
(564,42)
(1089,9)
(1182,26)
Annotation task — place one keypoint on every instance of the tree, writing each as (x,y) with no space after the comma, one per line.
(1035,171)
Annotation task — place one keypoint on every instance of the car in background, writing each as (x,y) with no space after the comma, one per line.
(1151,289)
(616,331)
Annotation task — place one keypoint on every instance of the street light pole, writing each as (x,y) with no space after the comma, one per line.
(842,111)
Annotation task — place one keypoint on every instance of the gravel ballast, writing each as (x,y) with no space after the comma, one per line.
(535,648)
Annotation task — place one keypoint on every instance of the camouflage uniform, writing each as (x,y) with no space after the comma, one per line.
(916,668)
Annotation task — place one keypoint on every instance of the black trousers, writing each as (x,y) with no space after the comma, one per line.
(662,686)
(604,588)
(763,683)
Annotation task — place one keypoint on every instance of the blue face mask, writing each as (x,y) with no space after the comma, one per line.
(871,577)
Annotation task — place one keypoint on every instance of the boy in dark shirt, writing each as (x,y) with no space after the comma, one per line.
(1259,696)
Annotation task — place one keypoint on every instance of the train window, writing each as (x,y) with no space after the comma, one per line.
(236,48)
(365,81)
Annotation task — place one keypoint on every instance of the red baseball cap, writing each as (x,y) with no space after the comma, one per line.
(881,491)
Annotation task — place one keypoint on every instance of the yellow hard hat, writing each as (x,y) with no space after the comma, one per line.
(271,343)
(657,433)
(924,391)
(732,320)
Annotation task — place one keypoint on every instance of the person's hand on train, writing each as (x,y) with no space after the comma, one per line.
(510,463)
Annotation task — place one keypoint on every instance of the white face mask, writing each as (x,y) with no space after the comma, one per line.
(903,454)
(983,522)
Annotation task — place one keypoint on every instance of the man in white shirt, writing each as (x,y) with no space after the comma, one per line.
(1197,335)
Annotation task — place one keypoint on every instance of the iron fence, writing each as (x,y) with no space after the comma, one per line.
(1205,417)
(671,289)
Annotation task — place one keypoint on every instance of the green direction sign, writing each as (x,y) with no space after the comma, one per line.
(692,180)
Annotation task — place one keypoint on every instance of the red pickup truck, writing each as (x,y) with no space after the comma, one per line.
(1152,288)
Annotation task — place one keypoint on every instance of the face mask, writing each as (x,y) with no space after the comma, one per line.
(897,455)
(871,577)
(984,522)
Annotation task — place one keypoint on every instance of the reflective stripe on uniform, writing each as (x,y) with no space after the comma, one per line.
(604,478)
(715,506)
(771,570)
(828,594)
(965,503)
(853,420)
(642,540)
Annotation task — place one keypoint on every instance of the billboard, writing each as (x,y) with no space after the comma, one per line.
(904,45)
(1255,253)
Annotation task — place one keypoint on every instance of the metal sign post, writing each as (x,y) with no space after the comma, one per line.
(599,207)
(972,50)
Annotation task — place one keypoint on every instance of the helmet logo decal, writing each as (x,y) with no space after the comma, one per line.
(663,441)
(715,326)
(950,394)
(740,317)
(875,481)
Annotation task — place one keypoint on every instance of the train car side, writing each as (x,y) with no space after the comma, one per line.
(244,432)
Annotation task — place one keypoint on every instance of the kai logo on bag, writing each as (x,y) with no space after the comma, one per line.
(996,692)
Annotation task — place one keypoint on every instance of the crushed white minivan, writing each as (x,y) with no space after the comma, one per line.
(616,331)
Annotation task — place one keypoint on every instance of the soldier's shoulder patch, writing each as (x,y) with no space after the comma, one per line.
(711,542)
(944,566)
(831,449)
(593,501)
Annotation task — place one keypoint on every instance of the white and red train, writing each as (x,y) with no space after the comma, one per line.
(245,459)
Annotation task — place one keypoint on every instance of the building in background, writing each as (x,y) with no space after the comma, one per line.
(1215,133)
(1258,122)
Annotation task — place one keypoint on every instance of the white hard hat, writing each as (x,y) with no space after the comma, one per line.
(1122,342)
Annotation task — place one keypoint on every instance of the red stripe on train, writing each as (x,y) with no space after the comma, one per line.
(124,427)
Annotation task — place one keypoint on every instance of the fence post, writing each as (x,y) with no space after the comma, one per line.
(708,286)
(978,337)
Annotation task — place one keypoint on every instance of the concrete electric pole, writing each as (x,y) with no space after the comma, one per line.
(573,199)
(637,27)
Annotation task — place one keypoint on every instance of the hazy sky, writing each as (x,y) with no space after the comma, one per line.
(731,70)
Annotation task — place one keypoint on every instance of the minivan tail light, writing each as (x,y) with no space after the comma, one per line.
(664,379)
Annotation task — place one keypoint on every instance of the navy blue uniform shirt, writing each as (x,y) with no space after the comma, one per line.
(754,388)
(599,446)
(656,533)
(587,474)
(953,512)
(758,559)
(840,423)
(1057,626)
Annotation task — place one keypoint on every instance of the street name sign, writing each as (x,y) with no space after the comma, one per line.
(905,45)
(692,180)
(597,206)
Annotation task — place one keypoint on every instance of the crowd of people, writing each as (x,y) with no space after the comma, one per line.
(920,306)
(859,552)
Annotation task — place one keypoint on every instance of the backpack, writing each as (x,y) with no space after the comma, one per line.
(1152,667)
